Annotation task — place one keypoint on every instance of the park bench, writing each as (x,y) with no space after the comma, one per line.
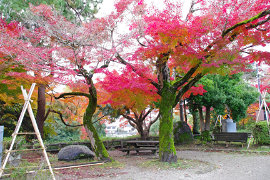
(231,137)
(140,145)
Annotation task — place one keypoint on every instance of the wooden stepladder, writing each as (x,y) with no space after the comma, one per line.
(266,110)
(27,106)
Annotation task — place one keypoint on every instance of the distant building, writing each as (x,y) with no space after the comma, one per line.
(115,130)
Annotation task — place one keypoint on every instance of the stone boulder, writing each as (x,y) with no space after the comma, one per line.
(73,152)
(182,133)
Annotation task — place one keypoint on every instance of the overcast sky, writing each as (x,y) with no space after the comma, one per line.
(107,6)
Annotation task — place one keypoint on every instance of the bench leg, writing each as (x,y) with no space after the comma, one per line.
(127,152)
(154,152)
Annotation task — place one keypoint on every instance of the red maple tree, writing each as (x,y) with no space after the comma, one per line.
(214,37)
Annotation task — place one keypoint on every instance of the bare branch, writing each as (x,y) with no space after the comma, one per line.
(72,94)
(262,14)
(129,118)
(62,119)
(99,119)
(138,40)
(152,122)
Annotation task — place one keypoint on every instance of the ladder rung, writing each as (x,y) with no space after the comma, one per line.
(23,150)
(24,133)
(21,167)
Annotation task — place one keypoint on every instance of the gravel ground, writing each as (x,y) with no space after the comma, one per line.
(231,165)
(215,165)
(207,165)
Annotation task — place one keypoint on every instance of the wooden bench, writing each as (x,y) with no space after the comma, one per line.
(139,145)
(231,137)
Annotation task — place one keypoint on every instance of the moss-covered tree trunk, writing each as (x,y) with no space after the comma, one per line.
(96,142)
(167,152)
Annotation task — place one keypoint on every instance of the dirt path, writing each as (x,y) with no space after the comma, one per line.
(208,165)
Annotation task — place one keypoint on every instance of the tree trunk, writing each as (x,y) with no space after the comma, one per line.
(181,111)
(185,111)
(202,124)
(140,129)
(207,118)
(96,142)
(195,122)
(167,152)
(41,106)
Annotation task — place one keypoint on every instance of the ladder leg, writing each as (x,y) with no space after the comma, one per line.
(27,102)
(40,139)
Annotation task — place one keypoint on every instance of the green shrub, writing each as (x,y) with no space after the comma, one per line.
(55,131)
(261,133)
(205,136)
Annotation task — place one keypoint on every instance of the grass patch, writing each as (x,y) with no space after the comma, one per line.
(180,164)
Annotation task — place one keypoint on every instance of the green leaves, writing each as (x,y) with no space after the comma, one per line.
(230,91)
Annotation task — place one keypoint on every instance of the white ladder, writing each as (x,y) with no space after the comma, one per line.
(27,106)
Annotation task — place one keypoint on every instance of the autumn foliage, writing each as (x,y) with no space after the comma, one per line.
(165,52)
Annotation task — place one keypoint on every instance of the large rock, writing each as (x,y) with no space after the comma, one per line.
(182,133)
(73,152)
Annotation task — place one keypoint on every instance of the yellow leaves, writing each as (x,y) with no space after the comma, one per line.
(174,37)
(5,98)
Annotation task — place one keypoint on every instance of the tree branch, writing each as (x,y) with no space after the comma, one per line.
(261,14)
(129,118)
(187,87)
(62,119)
(71,94)
(99,119)
(187,76)
(152,122)
(121,60)
(147,113)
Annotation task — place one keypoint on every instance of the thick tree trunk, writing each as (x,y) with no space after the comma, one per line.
(167,152)
(41,102)
(96,142)
(140,129)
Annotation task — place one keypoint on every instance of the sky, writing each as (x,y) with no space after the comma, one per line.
(107,6)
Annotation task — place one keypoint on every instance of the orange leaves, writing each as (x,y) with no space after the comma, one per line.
(175,37)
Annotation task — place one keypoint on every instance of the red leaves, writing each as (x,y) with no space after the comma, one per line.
(42,10)
(128,89)
(195,90)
